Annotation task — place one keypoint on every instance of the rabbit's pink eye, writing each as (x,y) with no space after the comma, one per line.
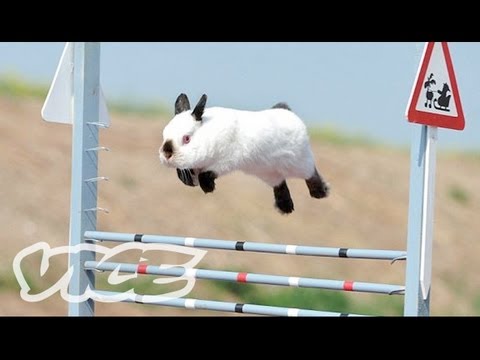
(186,139)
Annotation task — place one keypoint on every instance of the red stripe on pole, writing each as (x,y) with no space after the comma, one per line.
(348,285)
(242,277)
(142,268)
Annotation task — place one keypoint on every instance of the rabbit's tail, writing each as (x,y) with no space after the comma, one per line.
(281,105)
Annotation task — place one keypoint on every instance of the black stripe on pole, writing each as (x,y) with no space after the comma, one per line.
(342,252)
(239,245)
(138,237)
(239,308)
(344,315)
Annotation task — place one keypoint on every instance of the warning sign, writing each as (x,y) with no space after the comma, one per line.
(435,99)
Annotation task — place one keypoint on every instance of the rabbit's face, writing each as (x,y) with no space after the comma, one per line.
(180,131)
(177,136)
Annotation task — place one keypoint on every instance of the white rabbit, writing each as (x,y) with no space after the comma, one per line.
(272,144)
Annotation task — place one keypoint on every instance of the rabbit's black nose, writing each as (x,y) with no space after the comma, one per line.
(168,149)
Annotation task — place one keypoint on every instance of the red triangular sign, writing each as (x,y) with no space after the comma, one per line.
(435,99)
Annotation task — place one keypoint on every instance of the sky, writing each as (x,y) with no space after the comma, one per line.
(357,87)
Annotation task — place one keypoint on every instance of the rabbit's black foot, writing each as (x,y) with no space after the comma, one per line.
(317,187)
(207,181)
(283,200)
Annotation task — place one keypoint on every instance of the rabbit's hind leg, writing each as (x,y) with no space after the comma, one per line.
(283,200)
(317,186)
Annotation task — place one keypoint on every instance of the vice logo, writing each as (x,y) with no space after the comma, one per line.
(115,278)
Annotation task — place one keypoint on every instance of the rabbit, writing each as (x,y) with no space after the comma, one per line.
(205,143)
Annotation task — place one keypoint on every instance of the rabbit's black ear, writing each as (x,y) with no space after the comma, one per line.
(198,111)
(181,104)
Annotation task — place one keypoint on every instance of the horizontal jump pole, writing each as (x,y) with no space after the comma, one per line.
(250,246)
(199,304)
(247,277)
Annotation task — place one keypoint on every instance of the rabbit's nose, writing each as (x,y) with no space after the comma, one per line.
(168,149)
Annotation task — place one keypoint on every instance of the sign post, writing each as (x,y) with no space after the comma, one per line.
(434,102)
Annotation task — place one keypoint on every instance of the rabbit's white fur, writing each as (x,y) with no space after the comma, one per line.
(271,144)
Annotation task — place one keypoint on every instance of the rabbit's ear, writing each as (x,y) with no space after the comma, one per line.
(181,104)
(198,111)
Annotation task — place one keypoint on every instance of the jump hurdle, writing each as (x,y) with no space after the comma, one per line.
(252,278)
(88,115)
(371,254)
(225,306)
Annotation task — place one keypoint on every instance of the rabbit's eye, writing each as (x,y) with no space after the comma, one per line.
(186,139)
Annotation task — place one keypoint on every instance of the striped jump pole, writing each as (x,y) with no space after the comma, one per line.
(223,306)
(242,277)
(371,254)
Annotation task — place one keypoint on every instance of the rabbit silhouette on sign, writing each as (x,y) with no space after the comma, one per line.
(443,100)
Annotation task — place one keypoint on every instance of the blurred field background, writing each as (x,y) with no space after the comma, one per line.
(367,209)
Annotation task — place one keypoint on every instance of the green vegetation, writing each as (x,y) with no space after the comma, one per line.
(458,194)
(13,85)
(466,154)
(126,106)
(474,154)
(334,136)
(142,284)
(476,304)
(323,300)
(381,304)
(8,282)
